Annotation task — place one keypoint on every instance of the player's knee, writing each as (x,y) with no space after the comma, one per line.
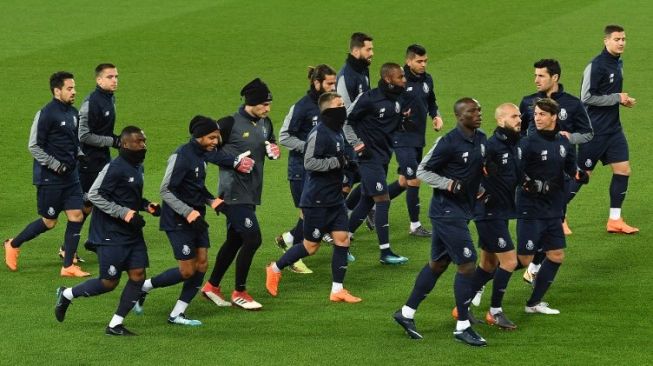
(75,215)
(252,240)
(50,223)
(202,264)
(467,269)
(311,247)
(413,182)
(439,266)
(508,264)
(556,256)
(488,261)
(402,181)
(187,271)
(137,275)
(109,285)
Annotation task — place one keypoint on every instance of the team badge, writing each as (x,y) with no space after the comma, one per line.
(107,113)
(588,163)
(563,114)
(379,186)
(467,253)
(245,134)
(502,243)
(563,151)
(63,123)
(530,245)
(112,270)
(248,222)
(316,233)
(409,171)
(185,250)
(51,211)
(409,89)
(397,107)
(130,180)
(426,88)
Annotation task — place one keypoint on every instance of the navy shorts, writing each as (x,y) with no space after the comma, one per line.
(185,242)
(114,259)
(408,159)
(534,235)
(296,188)
(51,200)
(321,220)
(607,149)
(373,179)
(494,236)
(242,218)
(451,238)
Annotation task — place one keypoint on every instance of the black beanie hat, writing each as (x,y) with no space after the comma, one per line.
(202,126)
(256,92)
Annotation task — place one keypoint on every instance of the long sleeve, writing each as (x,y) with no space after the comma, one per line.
(289,127)
(171,179)
(37,142)
(589,89)
(106,183)
(85,134)
(317,164)
(434,159)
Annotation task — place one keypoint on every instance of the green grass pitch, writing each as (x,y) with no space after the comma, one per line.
(180,58)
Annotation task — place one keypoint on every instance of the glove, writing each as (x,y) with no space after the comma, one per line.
(83,159)
(343,161)
(243,163)
(457,188)
(136,222)
(272,150)
(361,151)
(199,224)
(483,195)
(535,186)
(218,205)
(116,142)
(407,124)
(63,169)
(582,177)
(154,209)
(490,168)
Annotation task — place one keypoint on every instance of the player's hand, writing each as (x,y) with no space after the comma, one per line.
(136,221)
(407,123)
(456,188)
(361,151)
(116,142)
(582,176)
(63,169)
(154,209)
(532,186)
(437,123)
(630,102)
(199,224)
(566,134)
(243,163)
(192,216)
(272,150)
(83,159)
(343,161)
(218,205)
(623,98)
(490,168)
(483,195)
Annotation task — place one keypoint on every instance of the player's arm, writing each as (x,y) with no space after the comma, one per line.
(343,87)
(434,110)
(85,133)
(583,131)
(589,91)
(105,183)
(173,177)
(355,113)
(288,132)
(38,138)
(434,160)
(220,156)
(313,150)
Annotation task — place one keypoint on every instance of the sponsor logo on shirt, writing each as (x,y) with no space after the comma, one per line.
(544,155)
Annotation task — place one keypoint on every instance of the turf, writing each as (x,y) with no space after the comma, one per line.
(178,58)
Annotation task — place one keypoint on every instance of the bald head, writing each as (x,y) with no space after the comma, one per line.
(508,116)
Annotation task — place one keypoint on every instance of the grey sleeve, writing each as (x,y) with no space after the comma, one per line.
(85,134)
(316,164)
(288,140)
(341,88)
(350,134)
(36,150)
(586,95)
(431,178)
(167,196)
(580,138)
(110,208)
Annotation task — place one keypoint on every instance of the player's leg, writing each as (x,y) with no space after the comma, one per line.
(553,243)
(130,295)
(250,235)
(193,271)
(71,242)
(337,224)
(507,265)
(223,260)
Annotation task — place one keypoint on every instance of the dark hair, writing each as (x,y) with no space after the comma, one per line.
(58,78)
(101,67)
(611,28)
(358,40)
(552,66)
(319,72)
(462,101)
(388,67)
(415,50)
(129,130)
(326,98)
(548,105)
